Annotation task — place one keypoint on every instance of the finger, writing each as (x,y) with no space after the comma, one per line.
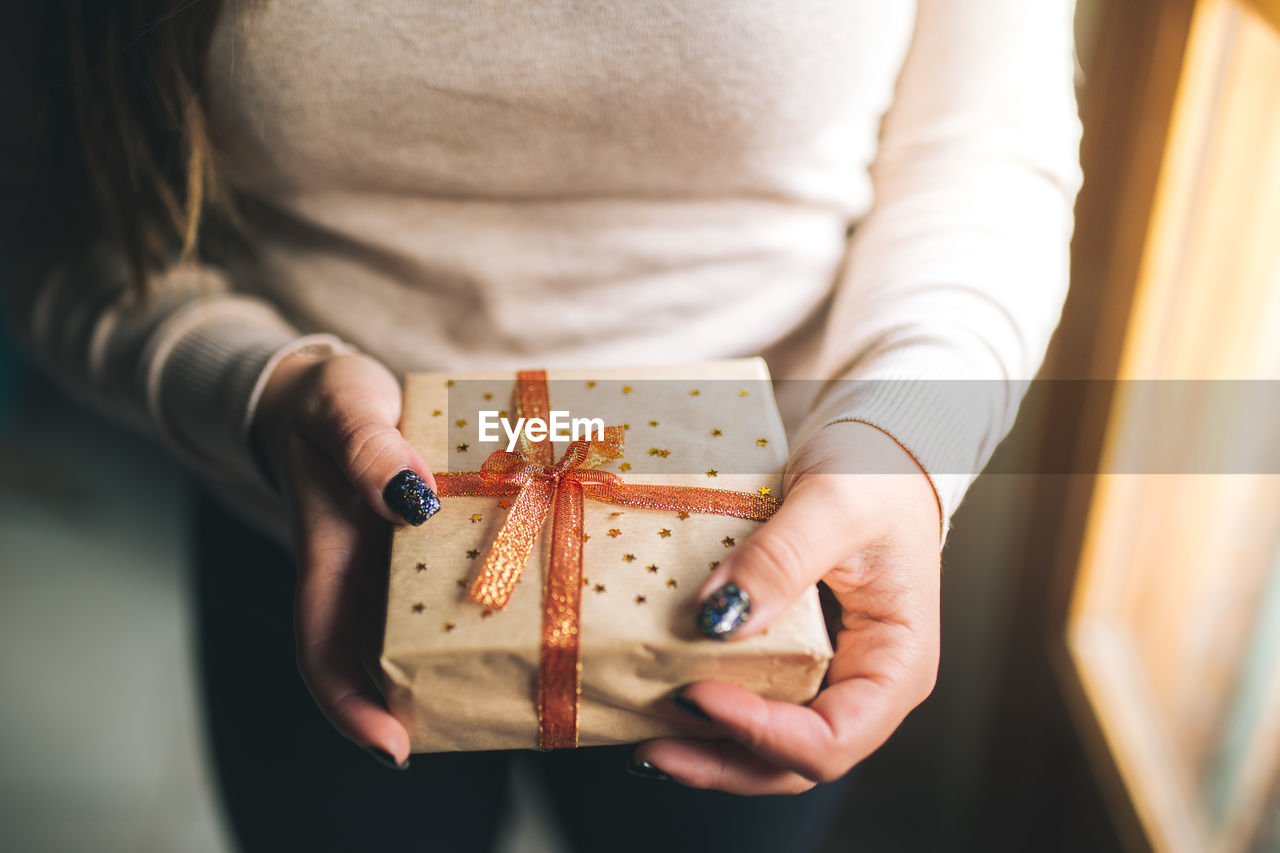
(336,603)
(763,575)
(719,765)
(354,422)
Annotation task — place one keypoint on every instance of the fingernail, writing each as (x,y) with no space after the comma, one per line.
(410,497)
(645,770)
(690,707)
(724,612)
(385,758)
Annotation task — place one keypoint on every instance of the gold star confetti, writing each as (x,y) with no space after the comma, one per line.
(626,426)
(727,541)
(598,587)
(712,472)
(640,599)
(628,558)
(715,433)
(461,422)
(614,532)
(422,567)
(586,582)
(627,389)
(419,607)
(586,537)
(682,515)
(462,448)
(504,504)
(448,383)
(461,583)
(761,442)
(591,383)
(652,568)
(488,396)
(616,514)
(653,423)
(742,392)
(448,626)
(659,451)
(625,466)
(475,516)
(486,613)
(502,413)
(695,392)
(672,583)
(712,565)
(764,490)
(472,554)
(435,413)
(665,532)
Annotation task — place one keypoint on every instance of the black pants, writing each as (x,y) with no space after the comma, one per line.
(289,782)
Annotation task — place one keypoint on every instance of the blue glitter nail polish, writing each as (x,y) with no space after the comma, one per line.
(724,612)
(410,497)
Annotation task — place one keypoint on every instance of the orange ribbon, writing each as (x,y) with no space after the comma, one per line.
(540,485)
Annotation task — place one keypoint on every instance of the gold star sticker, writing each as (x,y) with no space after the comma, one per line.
(761,442)
(461,583)
(486,613)
(488,396)
(448,383)
(682,515)
(422,567)
(435,413)
(591,383)
(462,448)
(764,490)
(615,532)
(640,599)
(711,567)
(652,568)
(712,472)
(475,516)
(715,433)
(695,392)
(653,423)
(461,422)
(672,583)
(742,392)
(628,558)
(447,627)
(625,466)
(598,587)
(727,541)
(472,554)
(504,504)
(664,532)
(419,607)
(627,389)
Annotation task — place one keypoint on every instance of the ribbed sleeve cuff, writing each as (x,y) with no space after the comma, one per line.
(948,422)
(206,374)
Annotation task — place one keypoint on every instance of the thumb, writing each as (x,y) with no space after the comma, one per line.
(356,426)
(761,577)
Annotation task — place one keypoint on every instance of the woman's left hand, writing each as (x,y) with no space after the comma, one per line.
(873,538)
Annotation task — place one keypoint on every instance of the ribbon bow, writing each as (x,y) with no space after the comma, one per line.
(541,484)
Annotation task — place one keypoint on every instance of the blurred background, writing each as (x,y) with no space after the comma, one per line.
(1111,644)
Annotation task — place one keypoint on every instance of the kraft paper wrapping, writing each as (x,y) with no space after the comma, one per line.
(461,677)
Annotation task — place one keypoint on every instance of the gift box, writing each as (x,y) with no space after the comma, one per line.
(552,600)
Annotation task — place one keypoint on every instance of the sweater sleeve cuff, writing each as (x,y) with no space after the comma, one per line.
(206,375)
(948,422)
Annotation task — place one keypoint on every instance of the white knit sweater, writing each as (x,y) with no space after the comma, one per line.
(489,183)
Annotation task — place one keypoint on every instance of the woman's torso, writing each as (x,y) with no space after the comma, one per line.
(501,183)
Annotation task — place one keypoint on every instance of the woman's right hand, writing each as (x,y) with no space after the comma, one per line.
(328,429)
